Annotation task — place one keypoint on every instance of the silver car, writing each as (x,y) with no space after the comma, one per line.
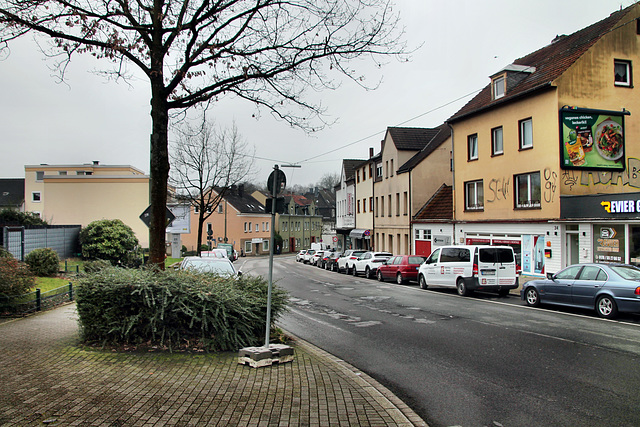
(219,266)
(606,288)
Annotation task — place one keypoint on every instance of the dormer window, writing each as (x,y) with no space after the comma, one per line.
(498,85)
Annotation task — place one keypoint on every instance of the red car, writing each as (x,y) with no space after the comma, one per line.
(401,268)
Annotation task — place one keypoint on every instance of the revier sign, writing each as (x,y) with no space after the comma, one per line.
(603,206)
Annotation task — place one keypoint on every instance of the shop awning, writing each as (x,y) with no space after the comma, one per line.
(360,233)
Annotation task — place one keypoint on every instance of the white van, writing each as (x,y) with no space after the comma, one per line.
(470,268)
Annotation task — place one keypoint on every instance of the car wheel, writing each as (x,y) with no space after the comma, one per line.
(423,282)
(399,279)
(379,276)
(531,297)
(354,271)
(462,288)
(367,273)
(334,267)
(606,307)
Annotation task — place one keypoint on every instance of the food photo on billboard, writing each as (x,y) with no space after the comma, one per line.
(592,139)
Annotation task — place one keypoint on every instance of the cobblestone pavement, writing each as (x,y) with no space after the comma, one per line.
(47,379)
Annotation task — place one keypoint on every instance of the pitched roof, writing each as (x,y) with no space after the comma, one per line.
(546,64)
(443,134)
(243,202)
(11,192)
(350,166)
(412,139)
(438,207)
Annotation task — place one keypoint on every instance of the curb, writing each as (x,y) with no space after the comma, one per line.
(401,413)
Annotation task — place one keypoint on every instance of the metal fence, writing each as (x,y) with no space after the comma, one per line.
(20,240)
(20,305)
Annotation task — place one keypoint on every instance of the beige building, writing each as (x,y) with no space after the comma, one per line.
(413,164)
(545,156)
(81,193)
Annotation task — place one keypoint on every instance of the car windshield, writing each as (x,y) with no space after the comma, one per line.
(627,272)
(204,266)
(494,255)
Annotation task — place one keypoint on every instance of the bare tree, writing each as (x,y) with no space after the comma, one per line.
(329,180)
(206,162)
(269,52)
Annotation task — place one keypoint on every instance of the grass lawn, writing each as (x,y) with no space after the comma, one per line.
(49,283)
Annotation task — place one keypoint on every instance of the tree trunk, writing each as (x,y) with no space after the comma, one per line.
(200,226)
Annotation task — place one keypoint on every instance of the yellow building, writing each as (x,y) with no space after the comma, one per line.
(545,156)
(81,193)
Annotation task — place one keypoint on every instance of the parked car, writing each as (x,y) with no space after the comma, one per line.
(606,288)
(345,262)
(307,257)
(400,268)
(332,261)
(316,257)
(216,253)
(470,267)
(300,255)
(322,262)
(211,264)
(368,263)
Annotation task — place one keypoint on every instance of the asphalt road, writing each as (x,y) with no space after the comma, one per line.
(475,361)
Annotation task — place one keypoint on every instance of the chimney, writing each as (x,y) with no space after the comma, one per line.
(241,190)
(96,163)
(370,152)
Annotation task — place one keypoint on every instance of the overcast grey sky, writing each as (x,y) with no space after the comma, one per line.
(88,118)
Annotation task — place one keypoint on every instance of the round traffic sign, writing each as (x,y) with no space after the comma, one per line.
(277,178)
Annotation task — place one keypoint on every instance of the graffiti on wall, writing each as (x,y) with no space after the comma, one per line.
(550,185)
(630,176)
(498,189)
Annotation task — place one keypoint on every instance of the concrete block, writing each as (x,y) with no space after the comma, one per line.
(258,357)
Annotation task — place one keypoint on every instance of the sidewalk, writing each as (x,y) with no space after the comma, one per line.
(46,379)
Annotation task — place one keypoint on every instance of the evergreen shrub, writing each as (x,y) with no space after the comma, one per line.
(43,262)
(108,239)
(175,309)
(15,277)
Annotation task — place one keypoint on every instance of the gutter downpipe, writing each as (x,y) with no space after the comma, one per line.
(453,185)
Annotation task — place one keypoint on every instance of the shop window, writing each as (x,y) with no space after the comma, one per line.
(247,247)
(473,196)
(528,191)
(265,246)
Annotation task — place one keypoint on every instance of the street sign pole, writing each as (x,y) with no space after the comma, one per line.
(274,193)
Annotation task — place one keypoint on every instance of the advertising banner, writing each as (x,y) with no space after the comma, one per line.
(609,242)
(592,139)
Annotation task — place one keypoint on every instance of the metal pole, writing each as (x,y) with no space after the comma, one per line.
(273,221)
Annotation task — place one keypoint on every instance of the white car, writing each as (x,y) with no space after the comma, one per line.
(345,262)
(368,263)
(300,255)
(307,257)
(316,256)
(220,266)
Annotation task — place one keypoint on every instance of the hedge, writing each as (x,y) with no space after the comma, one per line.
(175,309)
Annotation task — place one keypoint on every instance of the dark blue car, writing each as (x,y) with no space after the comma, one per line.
(606,288)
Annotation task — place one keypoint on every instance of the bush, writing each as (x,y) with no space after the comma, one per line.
(15,277)
(13,217)
(110,240)
(43,262)
(96,265)
(5,253)
(175,309)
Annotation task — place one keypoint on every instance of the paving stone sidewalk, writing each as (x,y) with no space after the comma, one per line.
(47,379)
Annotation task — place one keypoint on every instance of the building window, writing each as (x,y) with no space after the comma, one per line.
(247,246)
(266,226)
(245,227)
(63,173)
(473,196)
(370,204)
(386,167)
(496,141)
(250,228)
(390,209)
(265,245)
(358,175)
(622,71)
(499,87)
(377,209)
(358,206)
(381,205)
(257,227)
(220,209)
(39,175)
(406,203)
(370,170)
(526,133)
(36,197)
(472,147)
(397,204)
(391,171)
(364,205)
(527,190)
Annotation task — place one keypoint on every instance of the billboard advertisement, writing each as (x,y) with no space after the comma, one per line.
(592,139)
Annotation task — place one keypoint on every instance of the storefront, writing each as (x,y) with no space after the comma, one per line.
(610,226)
(360,239)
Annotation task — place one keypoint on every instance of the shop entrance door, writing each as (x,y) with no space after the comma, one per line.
(572,249)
